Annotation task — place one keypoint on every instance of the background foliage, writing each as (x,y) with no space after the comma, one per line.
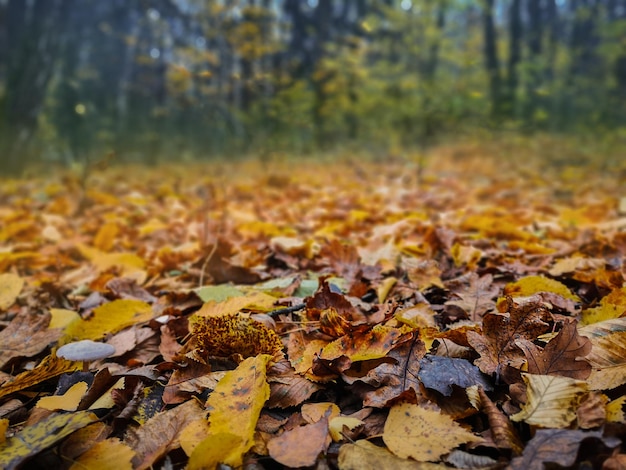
(179,79)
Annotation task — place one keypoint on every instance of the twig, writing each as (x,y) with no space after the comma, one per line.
(280,311)
(206,263)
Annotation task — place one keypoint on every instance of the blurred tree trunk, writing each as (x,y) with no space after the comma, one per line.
(321,21)
(515,55)
(33,35)
(534,39)
(492,63)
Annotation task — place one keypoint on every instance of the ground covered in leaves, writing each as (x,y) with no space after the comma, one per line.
(350,315)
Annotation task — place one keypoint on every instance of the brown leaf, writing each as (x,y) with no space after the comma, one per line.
(301,446)
(159,435)
(26,336)
(476,299)
(502,430)
(562,355)
(496,345)
(559,446)
(288,388)
(391,381)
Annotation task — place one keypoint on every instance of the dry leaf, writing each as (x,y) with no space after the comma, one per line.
(301,446)
(110,454)
(10,287)
(69,401)
(552,400)
(412,431)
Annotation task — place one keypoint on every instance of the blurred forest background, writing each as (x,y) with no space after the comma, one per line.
(162,80)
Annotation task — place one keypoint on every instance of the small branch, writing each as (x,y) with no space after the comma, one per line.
(206,263)
(281,311)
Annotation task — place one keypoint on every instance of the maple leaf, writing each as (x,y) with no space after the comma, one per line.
(496,345)
(563,355)
(477,298)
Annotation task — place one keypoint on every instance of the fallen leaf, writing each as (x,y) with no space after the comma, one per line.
(69,401)
(530,285)
(363,455)
(236,403)
(441,373)
(301,446)
(563,355)
(559,446)
(552,400)
(10,287)
(50,366)
(160,434)
(110,454)
(477,298)
(33,439)
(26,336)
(412,431)
(109,318)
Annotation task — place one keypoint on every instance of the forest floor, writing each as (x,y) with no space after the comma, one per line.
(328,314)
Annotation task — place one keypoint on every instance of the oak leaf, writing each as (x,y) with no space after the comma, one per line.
(563,355)
(496,345)
(477,298)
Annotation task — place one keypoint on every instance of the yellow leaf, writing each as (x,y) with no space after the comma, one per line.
(61,318)
(614,410)
(362,346)
(109,318)
(106,399)
(552,400)
(412,431)
(255,300)
(214,450)
(607,359)
(110,454)
(4,425)
(530,285)
(69,401)
(33,439)
(363,455)
(313,412)
(336,425)
(193,435)
(50,366)
(10,287)
(105,237)
(611,306)
(131,265)
(236,403)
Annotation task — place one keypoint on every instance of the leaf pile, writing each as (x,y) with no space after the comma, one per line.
(340,315)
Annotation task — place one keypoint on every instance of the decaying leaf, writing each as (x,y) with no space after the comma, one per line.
(477,298)
(563,355)
(224,336)
(26,336)
(441,373)
(363,455)
(496,345)
(558,446)
(301,446)
(423,434)
(552,400)
(235,405)
(160,434)
(33,439)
